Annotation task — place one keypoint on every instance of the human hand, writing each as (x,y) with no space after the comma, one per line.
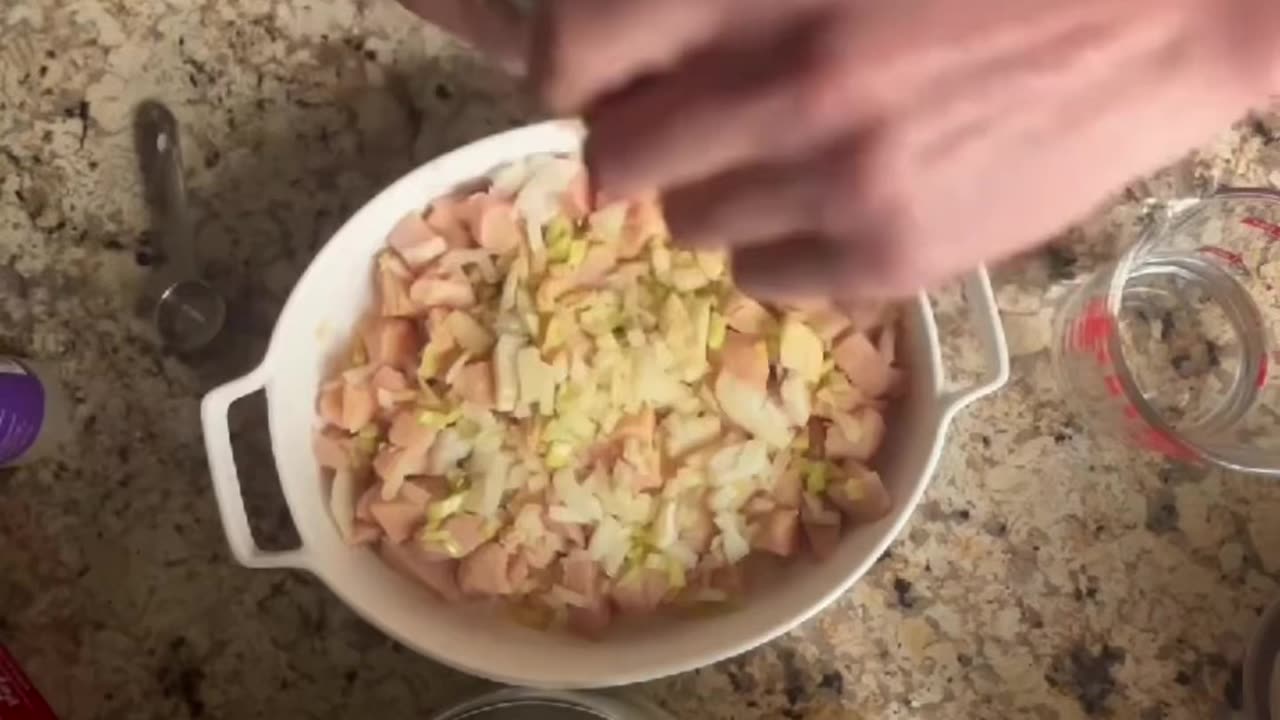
(868,148)
(496,28)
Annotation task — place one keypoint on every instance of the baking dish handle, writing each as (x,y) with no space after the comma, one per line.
(226,480)
(985,314)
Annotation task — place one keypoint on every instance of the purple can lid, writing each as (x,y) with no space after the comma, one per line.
(21,414)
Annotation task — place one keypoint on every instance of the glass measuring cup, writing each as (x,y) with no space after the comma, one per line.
(1173,348)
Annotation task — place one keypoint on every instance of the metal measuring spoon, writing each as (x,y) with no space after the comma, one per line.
(188,312)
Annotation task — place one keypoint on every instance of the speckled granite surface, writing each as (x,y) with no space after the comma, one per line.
(1045,575)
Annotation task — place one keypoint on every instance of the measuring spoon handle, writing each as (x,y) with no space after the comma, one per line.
(160,156)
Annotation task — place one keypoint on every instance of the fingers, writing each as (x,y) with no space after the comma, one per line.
(826,191)
(747,206)
(761,147)
(722,110)
(684,127)
(801,266)
(834,224)
(830,223)
(587,48)
(865,263)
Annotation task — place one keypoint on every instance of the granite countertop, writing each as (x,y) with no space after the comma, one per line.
(1045,575)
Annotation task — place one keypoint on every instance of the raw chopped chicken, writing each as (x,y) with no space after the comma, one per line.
(333,449)
(551,405)
(406,432)
(865,367)
(779,532)
(391,341)
(640,591)
(438,575)
(488,570)
(474,384)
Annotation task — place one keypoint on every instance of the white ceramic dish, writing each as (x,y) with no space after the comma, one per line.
(327,301)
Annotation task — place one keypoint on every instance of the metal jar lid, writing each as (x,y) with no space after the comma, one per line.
(520,704)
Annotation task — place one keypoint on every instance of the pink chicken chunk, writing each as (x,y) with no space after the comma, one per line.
(863,364)
(488,570)
(496,226)
(438,575)
(462,534)
(474,384)
(640,592)
(779,532)
(580,574)
(392,341)
(416,242)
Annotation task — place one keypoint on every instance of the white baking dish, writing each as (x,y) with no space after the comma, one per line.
(337,287)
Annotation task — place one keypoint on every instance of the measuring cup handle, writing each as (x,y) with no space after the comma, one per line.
(985,315)
(226,480)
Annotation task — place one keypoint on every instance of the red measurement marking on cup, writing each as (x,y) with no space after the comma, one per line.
(1233,260)
(1114,388)
(1271,229)
(1093,330)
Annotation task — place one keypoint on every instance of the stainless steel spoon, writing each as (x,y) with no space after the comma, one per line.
(188,312)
